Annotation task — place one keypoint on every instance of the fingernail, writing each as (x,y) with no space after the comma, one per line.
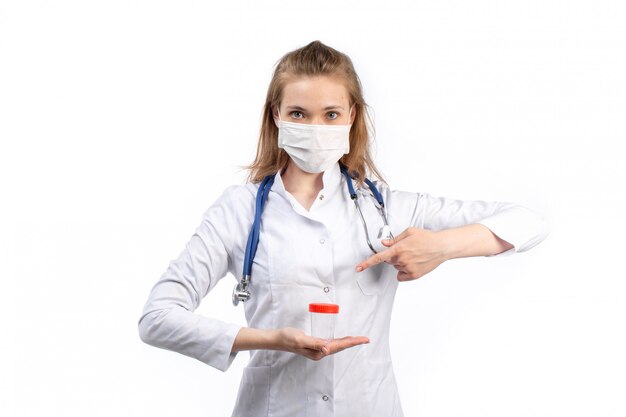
(386,241)
(325,350)
(359,268)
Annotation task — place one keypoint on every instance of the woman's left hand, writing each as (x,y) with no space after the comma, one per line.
(414,253)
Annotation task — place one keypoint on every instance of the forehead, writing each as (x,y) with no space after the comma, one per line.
(318,91)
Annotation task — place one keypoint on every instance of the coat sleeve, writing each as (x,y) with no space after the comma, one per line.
(514,223)
(168,320)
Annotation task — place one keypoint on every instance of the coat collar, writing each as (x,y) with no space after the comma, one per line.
(331,182)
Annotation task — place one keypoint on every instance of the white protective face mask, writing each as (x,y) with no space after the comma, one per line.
(313,148)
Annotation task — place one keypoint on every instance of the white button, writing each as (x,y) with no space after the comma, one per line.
(326,289)
(322,241)
(325,397)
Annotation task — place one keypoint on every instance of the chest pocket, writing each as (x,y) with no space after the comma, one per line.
(375,279)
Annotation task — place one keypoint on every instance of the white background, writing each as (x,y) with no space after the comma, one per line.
(121,122)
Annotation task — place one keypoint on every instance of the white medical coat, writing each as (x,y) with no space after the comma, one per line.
(303,257)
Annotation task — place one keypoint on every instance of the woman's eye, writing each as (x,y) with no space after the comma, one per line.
(296,112)
(335,113)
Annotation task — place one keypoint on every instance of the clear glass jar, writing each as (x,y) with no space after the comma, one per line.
(323,318)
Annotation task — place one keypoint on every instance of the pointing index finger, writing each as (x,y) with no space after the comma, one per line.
(382,256)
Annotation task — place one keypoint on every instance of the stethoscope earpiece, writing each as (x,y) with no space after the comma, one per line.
(385,232)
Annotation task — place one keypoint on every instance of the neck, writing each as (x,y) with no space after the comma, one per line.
(296,180)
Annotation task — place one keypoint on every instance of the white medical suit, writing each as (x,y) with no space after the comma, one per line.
(303,257)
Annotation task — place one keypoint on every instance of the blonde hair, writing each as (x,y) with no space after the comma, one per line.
(314,59)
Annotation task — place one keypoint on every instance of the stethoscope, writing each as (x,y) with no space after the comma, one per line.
(241,292)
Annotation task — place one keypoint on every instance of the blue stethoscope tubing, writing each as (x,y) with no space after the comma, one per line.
(241,291)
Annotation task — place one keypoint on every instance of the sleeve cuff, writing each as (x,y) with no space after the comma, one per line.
(220,355)
(521,227)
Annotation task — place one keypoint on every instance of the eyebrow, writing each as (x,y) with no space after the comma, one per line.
(303,109)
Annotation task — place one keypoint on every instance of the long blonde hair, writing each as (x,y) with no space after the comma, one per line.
(312,60)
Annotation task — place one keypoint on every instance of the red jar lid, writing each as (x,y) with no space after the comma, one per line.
(324,308)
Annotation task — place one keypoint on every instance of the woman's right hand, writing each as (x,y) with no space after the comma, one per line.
(295,340)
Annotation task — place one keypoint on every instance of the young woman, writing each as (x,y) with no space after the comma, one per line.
(319,226)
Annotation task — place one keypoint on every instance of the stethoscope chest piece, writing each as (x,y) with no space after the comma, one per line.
(241,292)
